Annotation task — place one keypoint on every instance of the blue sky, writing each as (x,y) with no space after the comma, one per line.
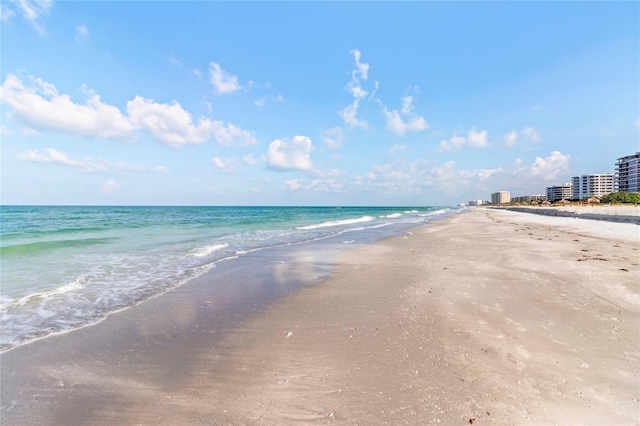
(204,103)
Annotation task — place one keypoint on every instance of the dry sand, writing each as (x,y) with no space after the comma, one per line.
(488,317)
(602,212)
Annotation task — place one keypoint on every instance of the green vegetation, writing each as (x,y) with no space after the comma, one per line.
(621,198)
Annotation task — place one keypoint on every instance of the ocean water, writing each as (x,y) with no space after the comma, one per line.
(67,267)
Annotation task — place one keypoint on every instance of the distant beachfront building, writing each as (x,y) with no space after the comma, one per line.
(528,198)
(475,203)
(627,176)
(592,185)
(562,192)
(500,197)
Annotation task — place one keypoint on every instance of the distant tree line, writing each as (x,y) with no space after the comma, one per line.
(621,198)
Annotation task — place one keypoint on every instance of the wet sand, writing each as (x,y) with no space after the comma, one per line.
(488,317)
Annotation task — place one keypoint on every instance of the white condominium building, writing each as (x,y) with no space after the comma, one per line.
(500,197)
(592,185)
(627,176)
(562,192)
(528,198)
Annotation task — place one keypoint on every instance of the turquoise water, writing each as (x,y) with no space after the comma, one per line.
(65,267)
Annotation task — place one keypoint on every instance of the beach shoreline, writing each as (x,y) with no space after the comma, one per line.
(488,316)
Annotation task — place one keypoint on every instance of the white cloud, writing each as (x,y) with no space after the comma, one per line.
(528,134)
(168,123)
(333,137)
(358,92)
(248,159)
(218,163)
(82,33)
(455,142)
(407,104)
(637,123)
(336,173)
(323,184)
(551,167)
(28,131)
(531,134)
(291,154)
(60,158)
(376,84)
(411,121)
(349,113)
(293,184)
(510,138)
(87,165)
(172,125)
(4,130)
(260,102)
(222,81)
(407,177)
(476,139)
(419,177)
(399,126)
(6,13)
(123,167)
(362,69)
(228,164)
(110,186)
(231,135)
(51,156)
(397,148)
(40,106)
(33,11)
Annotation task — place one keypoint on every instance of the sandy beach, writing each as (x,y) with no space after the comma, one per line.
(485,317)
(602,212)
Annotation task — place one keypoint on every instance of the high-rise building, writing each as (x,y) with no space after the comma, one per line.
(592,185)
(627,176)
(562,192)
(500,197)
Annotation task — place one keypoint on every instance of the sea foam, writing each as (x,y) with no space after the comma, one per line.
(207,250)
(332,223)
